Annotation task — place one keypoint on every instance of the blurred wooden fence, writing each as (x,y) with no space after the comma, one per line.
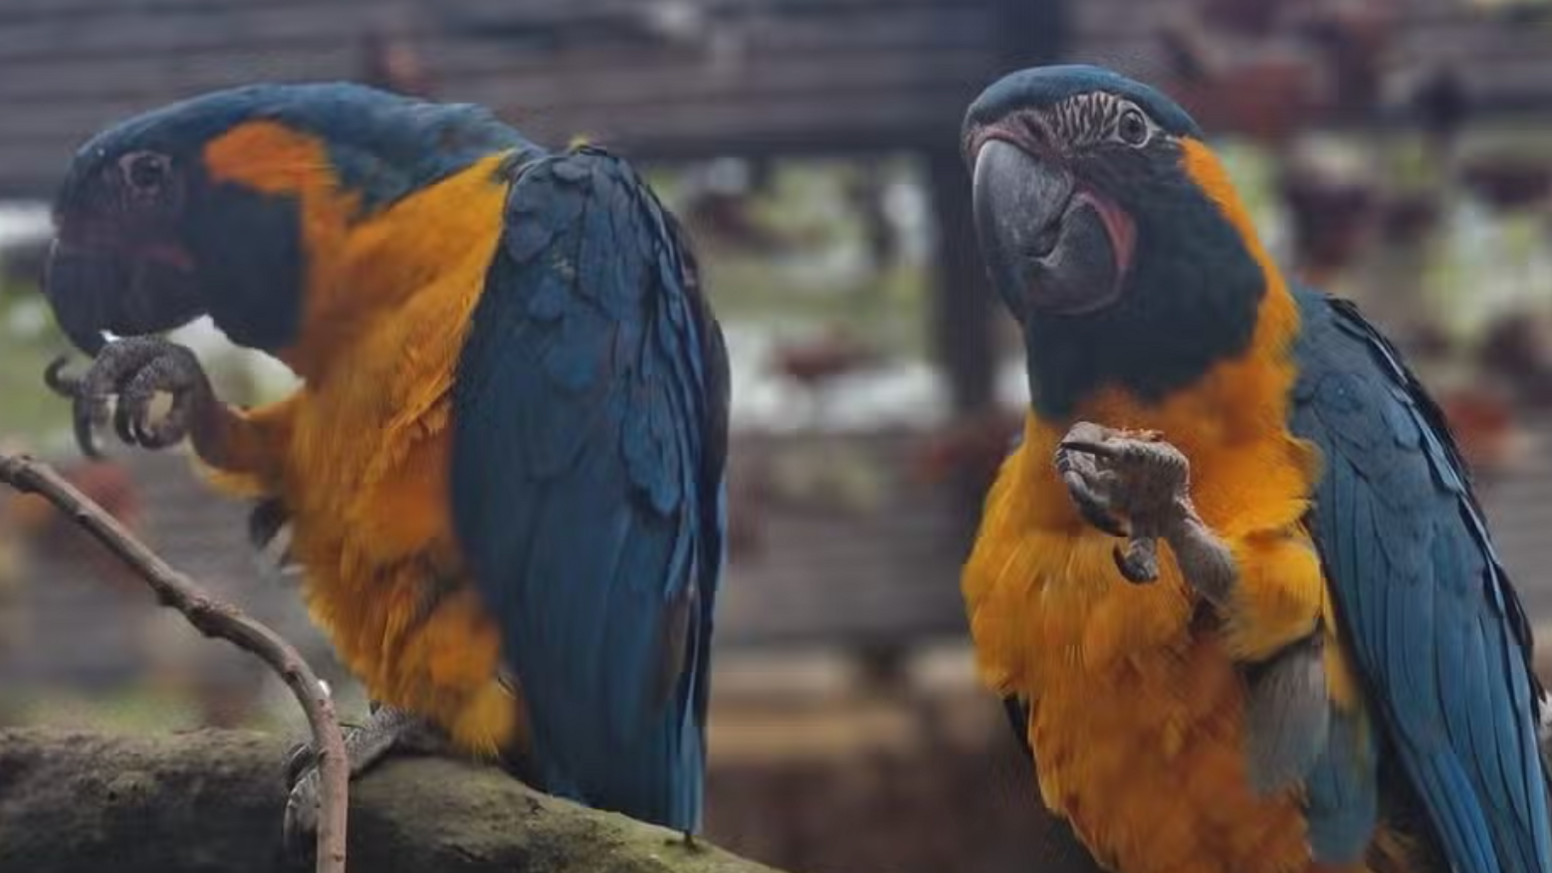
(873,570)
(660,78)
(855,555)
(719,78)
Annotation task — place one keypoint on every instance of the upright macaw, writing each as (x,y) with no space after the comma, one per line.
(504,467)
(1330,669)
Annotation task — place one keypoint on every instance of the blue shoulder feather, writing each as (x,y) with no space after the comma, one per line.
(1434,624)
(589,440)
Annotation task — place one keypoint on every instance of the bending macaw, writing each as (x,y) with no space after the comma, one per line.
(504,469)
(1329,669)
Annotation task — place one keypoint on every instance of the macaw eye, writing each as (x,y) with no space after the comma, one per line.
(1133,128)
(146,172)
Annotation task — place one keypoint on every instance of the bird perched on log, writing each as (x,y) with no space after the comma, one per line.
(504,469)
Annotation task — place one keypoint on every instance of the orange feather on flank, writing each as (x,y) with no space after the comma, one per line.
(1136,713)
(359,454)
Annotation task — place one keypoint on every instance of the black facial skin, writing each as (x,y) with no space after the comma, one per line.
(118,262)
(146,243)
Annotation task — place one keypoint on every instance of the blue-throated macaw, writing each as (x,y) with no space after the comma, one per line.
(1330,669)
(504,466)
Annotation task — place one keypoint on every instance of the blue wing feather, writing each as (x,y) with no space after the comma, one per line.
(1342,803)
(589,441)
(1434,624)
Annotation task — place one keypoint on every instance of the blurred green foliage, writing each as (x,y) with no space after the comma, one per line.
(28,341)
(811,261)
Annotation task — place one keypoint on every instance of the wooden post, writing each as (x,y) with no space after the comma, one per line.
(964,310)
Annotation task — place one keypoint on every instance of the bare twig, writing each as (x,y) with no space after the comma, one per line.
(212,618)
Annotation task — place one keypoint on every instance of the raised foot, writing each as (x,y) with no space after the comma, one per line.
(387,731)
(1128,484)
(135,370)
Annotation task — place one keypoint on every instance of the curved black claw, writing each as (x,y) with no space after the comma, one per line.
(687,841)
(56,380)
(1139,561)
(133,370)
(299,835)
(265,521)
(300,757)
(1091,504)
(69,387)
(388,730)
(1086,484)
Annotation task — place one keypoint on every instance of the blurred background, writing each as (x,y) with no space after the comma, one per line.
(1396,151)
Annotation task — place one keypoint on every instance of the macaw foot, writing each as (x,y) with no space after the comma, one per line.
(388,730)
(1136,476)
(135,370)
(268,517)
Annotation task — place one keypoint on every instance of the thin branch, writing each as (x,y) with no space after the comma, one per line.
(212,618)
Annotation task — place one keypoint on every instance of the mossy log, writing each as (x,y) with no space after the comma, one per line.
(211,802)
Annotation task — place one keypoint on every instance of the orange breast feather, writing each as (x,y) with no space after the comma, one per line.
(1135,692)
(360,452)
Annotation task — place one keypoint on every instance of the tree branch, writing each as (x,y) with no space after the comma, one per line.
(205,802)
(213,618)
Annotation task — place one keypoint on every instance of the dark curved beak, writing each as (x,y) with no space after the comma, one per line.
(68,277)
(1046,242)
(93,288)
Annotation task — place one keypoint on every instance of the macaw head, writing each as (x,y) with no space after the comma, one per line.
(1111,232)
(218,205)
